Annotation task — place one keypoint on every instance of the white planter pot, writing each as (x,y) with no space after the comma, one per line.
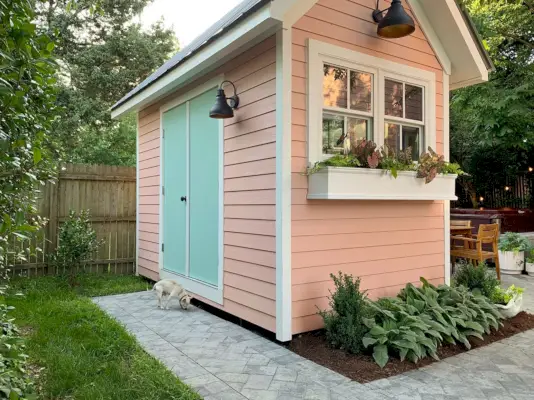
(512,308)
(511,263)
(530,268)
(373,184)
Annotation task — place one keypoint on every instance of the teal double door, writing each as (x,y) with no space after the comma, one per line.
(191,170)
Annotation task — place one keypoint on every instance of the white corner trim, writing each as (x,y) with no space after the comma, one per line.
(137,194)
(446,204)
(320,52)
(283,185)
(237,37)
(431,35)
(194,286)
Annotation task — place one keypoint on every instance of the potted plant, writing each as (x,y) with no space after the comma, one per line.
(530,263)
(512,247)
(508,301)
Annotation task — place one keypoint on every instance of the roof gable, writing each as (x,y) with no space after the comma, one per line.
(447,27)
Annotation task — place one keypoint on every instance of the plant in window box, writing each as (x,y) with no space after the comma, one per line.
(512,247)
(508,301)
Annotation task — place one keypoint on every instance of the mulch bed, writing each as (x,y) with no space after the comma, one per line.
(363,369)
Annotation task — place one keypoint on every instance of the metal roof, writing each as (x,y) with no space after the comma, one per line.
(237,14)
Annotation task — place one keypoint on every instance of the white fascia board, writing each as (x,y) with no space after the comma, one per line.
(290,11)
(243,35)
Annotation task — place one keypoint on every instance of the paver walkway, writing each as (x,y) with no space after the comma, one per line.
(224,361)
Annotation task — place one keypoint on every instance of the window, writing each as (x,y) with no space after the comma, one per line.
(354,96)
(347,107)
(403,115)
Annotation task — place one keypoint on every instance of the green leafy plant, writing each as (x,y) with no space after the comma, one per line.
(513,241)
(530,257)
(14,379)
(503,296)
(77,242)
(344,323)
(422,319)
(366,154)
(478,279)
(430,164)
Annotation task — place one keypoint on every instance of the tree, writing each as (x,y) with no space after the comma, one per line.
(103,56)
(492,124)
(27,112)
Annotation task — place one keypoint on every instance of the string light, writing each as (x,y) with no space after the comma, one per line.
(507,188)
(481,199)
(530,169)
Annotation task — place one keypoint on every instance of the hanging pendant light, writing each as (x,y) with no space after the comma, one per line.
(396,23)
(221,109)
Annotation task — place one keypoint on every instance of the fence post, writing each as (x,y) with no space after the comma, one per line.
(52,222)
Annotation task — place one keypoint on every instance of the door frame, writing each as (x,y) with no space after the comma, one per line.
(194,286)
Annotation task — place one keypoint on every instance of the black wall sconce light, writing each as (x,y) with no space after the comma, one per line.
(221,109)
(396,23)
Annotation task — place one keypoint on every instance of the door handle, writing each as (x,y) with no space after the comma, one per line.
(183,198)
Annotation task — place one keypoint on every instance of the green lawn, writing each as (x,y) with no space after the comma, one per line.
(85,353)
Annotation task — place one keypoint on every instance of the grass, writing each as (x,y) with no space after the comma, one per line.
(85,353)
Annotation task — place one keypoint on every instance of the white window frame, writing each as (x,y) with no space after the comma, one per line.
(320,53)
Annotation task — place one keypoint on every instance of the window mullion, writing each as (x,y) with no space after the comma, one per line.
(348,89)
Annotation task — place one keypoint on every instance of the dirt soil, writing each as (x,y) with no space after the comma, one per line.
(363,369)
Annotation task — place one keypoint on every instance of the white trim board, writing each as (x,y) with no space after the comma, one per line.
(137,194)
(321,52)
(446,204)
(194,286)
(283,185)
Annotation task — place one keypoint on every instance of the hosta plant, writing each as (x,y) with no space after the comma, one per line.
(415,324)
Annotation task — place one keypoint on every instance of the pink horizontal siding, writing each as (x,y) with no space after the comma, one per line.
(386,243)
(249,186)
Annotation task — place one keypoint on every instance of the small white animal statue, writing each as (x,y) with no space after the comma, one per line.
(167,289)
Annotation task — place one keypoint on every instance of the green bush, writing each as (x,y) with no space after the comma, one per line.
(422,319)
(77,242)
(513,241)
(478,279)
(344,323)
(14,379)
(503,296)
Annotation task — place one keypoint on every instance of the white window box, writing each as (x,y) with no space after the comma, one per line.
(371,184)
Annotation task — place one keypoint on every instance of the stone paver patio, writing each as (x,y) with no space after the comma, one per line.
(222,360)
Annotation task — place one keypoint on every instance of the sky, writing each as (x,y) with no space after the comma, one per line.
(188,18)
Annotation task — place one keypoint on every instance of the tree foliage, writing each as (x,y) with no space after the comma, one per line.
(492,124)
(27,111)
(103,55)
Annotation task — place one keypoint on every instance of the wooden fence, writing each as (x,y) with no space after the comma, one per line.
(108,192)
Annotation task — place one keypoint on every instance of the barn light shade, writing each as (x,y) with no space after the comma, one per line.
(396,23)
(221,109)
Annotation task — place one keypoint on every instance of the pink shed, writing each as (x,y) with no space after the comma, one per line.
(282,235)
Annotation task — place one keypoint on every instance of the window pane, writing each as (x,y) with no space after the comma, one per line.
(358,129)
(360,91)
(392,139)
(411,137)
(335,87)
(393,98)
(333,134)
(414,102)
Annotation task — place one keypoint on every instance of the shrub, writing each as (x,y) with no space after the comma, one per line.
(344,324)
(513,241)
(479,279)
(14,379)
(77,242)
(422,319)
(502,296)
